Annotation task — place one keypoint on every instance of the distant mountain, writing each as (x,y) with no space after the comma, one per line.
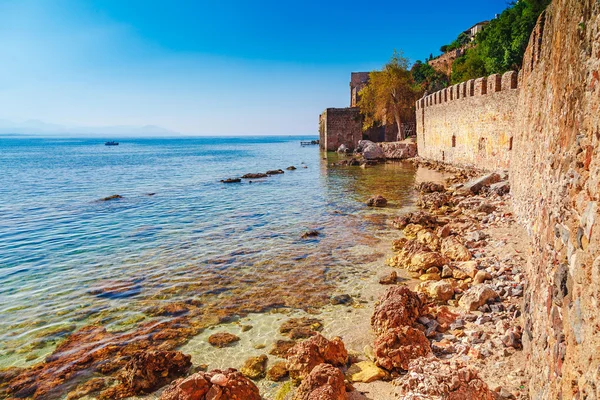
(38,127)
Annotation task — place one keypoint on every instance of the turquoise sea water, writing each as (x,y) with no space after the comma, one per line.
(63,252)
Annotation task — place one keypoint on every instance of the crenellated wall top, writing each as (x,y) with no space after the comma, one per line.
(475,87)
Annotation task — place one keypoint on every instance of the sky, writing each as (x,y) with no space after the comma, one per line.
(207,67)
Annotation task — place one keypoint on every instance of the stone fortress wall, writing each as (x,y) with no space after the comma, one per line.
(471,123)
(544,126)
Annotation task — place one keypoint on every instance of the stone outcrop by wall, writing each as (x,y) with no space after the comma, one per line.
(555,180)
(399,150)
(339,126)
(471,123)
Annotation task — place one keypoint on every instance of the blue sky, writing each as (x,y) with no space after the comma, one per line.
(207,67)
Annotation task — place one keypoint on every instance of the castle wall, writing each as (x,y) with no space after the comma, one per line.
(471,123)
(340,126)
(555,181)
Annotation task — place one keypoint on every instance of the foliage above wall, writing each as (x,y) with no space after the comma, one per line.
(428,78)
(501,45)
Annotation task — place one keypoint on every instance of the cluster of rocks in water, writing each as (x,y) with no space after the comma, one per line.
(261,175)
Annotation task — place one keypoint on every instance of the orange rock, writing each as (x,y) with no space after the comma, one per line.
(397,347)
(325,382)
(398,307)
(306,355)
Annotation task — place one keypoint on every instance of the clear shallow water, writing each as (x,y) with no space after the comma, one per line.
(68,260)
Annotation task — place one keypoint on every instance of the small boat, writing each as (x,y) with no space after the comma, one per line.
(111,143)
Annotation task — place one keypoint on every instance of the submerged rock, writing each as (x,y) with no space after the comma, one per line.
(148,371)
(277,372)
(280,347)
(344,299)
(222,339)
(275,172)
(389,279)
(291,168)
(231,180)
(228,384)
(255,367)
(113,197)
(310,234)
(377,201)
(325,382)
(255,176)
(300,324)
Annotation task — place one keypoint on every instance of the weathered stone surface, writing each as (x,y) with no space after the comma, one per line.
(255,367)
(398,307)
(477,296)
(365,371)
(228,384)
(429,239)
(389,279)
(304,356)
(555,183)
(325,382)
(222,339)
(395,348)
(455,250)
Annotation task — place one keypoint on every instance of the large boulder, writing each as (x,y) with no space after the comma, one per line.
(477,296)
(306,355)
(325,382)
(395,348)
(399,306)
(440,291)
(475,185)
(224,385)
(370,150)
(455,250)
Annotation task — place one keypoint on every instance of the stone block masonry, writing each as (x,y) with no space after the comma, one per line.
(555,181)
(339,126)
(471,123)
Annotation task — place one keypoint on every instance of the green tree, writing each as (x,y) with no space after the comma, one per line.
(500,47)
(390,94)
(427,77)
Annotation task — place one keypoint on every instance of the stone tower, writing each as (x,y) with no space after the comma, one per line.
(358,80)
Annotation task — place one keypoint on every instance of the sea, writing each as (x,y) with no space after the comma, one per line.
(177,235)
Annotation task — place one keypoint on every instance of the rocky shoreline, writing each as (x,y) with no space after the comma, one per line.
(448,325)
